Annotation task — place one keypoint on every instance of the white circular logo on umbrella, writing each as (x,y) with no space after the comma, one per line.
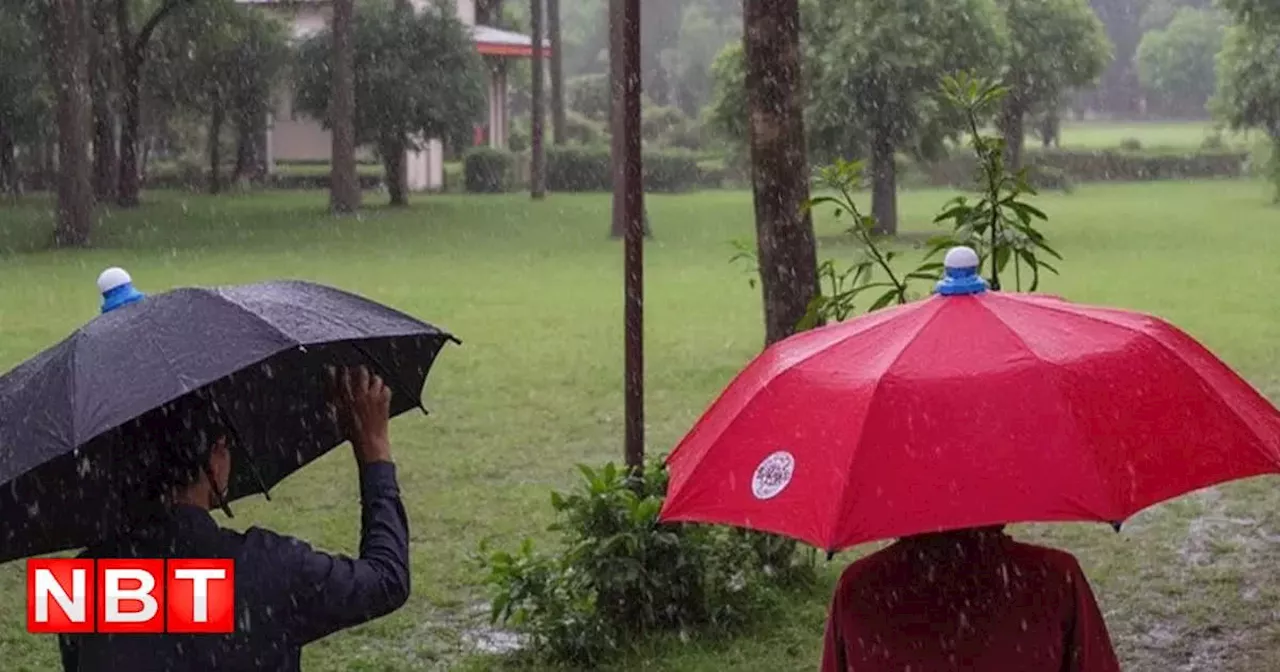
(773,475)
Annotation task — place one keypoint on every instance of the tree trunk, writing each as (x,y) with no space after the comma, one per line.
(246,154)
(558,120)
(538,169)
(1050,127)
(217,118)
(71,85)
(8,164)
(780,172)
(131,104)
(105,158)
(394,170)
(344,182)
(1013,117)
(884,184)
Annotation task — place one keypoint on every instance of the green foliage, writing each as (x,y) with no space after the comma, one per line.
(583,130)
(671,171)
(1249,85)
(1255,14)
(1054,46)
(590,96)
(417,76)
(1057,169)
(1131,145)
(1000,224)
(590,169)
(840,286)
(622,577)
(874,67)
(727,113)
(217,53)
(1176,64)
(25,94)
(579,169)
(488,170)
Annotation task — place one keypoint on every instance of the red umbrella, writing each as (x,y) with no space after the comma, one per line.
(966,409)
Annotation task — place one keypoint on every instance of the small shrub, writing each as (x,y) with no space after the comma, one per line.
(488,170)
(518,138)
(1050,178)
(582,130)
(658,120)
(591,169)
(579,169)
(670,171)
(1213,143)
(590,95)
(1131,145)
(622,577)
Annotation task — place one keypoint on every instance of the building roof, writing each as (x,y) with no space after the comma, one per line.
(489,41)
(492,41)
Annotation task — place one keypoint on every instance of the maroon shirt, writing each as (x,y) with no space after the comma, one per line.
(969,600)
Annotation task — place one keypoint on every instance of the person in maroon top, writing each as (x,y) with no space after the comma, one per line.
(966,600)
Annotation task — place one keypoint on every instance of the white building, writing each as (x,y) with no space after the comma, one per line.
(292,135)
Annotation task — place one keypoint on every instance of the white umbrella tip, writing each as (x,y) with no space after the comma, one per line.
(961,257)
(113,278)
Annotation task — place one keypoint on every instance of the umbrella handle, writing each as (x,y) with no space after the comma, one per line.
(217,494)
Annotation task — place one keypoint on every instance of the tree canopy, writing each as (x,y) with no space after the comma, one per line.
(1176,64)
(1054,46)
(417,77)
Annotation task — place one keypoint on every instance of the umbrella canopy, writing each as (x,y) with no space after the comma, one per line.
(260,354)
(966,409)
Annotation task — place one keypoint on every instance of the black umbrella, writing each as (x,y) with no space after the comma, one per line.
(71,461)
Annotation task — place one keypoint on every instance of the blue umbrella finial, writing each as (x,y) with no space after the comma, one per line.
(961,275)
(117,289)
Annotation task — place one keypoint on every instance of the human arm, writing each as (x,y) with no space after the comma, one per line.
(332,592)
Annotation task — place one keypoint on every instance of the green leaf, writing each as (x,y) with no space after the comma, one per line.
(885,300)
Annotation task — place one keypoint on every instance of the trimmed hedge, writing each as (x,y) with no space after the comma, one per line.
(173,179)
(488,171)
(590,169)
(1100,166)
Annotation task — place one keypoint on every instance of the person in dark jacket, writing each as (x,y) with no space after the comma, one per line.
(287,594)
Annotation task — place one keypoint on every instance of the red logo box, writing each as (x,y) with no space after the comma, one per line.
(131,596)
(201,596)
(60,596)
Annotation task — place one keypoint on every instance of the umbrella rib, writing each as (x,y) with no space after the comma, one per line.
(871,399)
(1057,384)
(1173,351)
(390,376)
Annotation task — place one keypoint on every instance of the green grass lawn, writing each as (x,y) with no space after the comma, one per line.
(1154,135)
(534,291)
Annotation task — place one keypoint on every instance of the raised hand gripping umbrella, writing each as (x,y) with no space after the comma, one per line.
(966,409)
(71,461)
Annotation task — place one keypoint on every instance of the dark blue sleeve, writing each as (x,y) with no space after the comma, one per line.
(69,652)
(332,592)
